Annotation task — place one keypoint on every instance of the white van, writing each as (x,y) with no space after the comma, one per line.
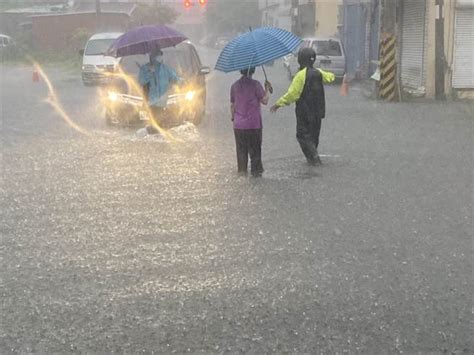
(330,56)
(96,65)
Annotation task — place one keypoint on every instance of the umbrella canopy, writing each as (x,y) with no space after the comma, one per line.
(256,48)
(145,39)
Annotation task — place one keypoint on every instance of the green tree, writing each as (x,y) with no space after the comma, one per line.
(146,14)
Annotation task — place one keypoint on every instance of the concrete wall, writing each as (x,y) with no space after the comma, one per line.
(449,22)
(10,23)
(53,31)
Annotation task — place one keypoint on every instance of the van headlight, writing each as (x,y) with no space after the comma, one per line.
(113,96)
(189,96)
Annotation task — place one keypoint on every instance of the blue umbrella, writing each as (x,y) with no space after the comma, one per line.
(145,39)
(256,48)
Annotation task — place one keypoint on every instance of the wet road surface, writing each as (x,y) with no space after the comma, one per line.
(114,243)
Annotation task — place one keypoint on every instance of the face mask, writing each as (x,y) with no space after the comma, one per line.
(159,59)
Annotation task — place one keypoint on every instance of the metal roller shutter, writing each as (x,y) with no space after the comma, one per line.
(463,75)
(413,43)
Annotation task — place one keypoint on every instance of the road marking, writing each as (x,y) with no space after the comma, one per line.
(329,156)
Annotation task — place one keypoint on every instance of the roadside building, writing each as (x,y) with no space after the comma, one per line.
(276,13)
(361,36)
(55,30)
(436,47)
(459,38)
(434,43)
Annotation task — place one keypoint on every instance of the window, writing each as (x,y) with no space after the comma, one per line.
(178,58)
(329,48)
(98,46)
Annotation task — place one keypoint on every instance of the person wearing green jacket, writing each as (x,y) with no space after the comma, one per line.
(307,91)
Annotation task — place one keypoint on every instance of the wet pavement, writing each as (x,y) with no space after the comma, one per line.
(114,243)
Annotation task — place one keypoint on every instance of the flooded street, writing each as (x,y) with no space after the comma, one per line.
(114,243)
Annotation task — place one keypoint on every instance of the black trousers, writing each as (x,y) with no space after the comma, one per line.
(248,142)
(308,128)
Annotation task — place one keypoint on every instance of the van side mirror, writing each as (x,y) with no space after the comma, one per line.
(204,70)
(81,52)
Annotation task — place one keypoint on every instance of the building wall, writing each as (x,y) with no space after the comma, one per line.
(450,12)
(449,35)
(327,17)
(10,23)
(449,22)
(430,47)
(53,31)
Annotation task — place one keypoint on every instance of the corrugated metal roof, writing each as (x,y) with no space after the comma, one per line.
(125,8)
(46,9)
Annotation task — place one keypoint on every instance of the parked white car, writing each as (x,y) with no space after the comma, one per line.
(5,40)
(330,56)
(95,64)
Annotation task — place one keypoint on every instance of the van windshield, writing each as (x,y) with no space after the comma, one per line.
(98,46)
(176,58)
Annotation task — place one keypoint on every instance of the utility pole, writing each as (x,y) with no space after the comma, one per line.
(295,23)
(439,51)
(389,16)
(97,14)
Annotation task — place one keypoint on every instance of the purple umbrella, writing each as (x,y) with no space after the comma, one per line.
(145,39)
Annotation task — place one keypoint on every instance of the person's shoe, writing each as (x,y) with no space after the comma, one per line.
(258,173)
(315,161)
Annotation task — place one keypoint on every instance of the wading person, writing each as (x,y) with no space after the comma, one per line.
(307,91)
(156,79)
(246,97)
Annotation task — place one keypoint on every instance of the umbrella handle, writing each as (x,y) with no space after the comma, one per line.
(264,73)
(270,88)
